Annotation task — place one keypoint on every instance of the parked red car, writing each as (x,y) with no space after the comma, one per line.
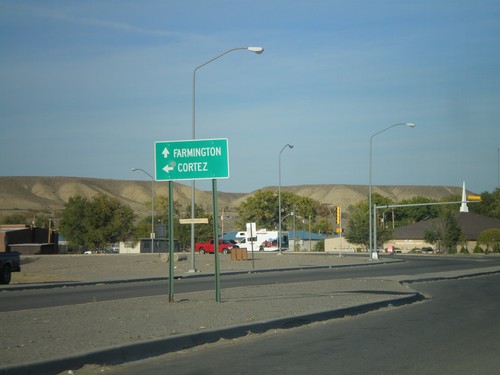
(225,247)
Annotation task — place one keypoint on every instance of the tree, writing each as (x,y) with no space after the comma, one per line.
(491,239)
(414,214)
(15,219)
(72,225)
(182,232)
(262,208)
(96,223)
(203,232)
(444,232)
(357,226)
(489,205)
(359,222)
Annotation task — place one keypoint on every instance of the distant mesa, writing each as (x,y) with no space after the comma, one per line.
(48,194)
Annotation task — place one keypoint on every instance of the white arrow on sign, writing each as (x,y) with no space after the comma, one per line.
(168,168)
(165,153)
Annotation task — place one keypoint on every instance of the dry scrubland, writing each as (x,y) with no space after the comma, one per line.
(48,194)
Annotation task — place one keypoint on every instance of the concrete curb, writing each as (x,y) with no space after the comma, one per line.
(151,348)
(477,273)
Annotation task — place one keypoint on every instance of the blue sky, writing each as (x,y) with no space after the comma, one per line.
(87,87)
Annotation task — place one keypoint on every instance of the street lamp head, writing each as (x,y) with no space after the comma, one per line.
(133,169)
(291,146)
(410,124)
(257,50)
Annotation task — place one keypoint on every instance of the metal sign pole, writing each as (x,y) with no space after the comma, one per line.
(251,242)
(171,242)
(216,242)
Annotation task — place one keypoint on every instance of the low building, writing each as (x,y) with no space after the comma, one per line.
(28,239)
(411,237)
(302,240)
(144,246)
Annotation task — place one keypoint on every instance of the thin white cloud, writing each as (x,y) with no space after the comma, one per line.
(60,15)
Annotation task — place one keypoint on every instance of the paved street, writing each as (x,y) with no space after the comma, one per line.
(67,325)
(455,331)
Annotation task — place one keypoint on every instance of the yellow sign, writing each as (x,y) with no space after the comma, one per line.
(474,198)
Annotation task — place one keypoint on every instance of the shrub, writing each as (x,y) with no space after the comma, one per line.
(320,246)
(477,249)
(464,250)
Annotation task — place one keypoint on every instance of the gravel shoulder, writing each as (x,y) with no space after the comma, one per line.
(58,332)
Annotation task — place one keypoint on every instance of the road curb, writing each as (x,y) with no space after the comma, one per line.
(141,350)
(451,277)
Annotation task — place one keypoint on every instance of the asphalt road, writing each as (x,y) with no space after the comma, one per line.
(455,331)
(38,298)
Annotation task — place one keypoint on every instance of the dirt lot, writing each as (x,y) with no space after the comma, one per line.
(101,267)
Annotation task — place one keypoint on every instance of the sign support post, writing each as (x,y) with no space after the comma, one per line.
(200,159)
(216,241)
(171,241)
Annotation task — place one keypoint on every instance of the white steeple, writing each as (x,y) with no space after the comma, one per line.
(463,207)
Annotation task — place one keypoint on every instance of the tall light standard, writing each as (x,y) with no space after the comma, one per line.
(257,50)
(498,167)
(152,206)
(373,252)
(279,196)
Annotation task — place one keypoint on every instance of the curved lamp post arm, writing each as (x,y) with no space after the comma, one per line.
(257,50)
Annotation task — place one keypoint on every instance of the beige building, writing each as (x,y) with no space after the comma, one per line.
(411,236)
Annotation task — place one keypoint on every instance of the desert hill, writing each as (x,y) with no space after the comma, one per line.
(48,194)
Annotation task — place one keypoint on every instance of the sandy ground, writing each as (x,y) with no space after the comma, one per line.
(57,332)
(100,267)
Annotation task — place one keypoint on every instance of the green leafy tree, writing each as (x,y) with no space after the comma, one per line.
(96,223)
(143,228)
(445,232)
(489,205)
(203,232)
(182,232)
(15,219)
(414,214)
(72,226)
(358,223)
(262,208)
(491,239)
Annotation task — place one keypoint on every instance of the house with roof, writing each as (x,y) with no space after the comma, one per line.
(410,237)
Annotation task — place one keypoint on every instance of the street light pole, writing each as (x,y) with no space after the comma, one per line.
(373,252)
(152,206)
(279,196)
(498,167)
(257,50)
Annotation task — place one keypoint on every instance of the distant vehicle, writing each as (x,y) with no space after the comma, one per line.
(9,262)
(225,247)
(263,240)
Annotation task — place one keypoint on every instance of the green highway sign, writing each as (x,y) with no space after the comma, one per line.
(198,159)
